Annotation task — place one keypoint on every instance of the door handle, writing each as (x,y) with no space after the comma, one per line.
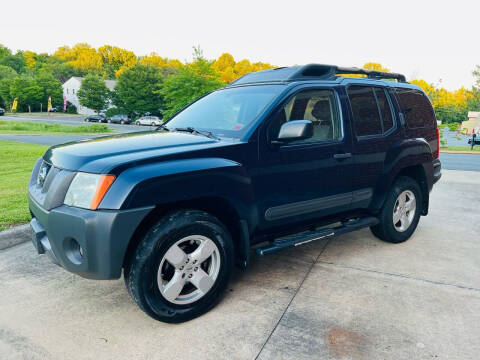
(342,156)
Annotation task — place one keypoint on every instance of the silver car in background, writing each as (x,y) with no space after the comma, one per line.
(149,120)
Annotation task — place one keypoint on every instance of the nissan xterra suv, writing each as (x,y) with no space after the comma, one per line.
(276,159)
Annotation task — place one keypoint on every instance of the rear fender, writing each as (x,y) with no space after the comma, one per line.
(405,155)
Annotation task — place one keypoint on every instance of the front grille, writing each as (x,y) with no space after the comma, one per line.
(49,184)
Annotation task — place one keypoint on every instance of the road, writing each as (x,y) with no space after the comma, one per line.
(46,139)
(470,162)
(75,120)
(351,297)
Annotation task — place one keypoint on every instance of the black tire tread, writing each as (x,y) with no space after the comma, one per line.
(385,230)
(163,229)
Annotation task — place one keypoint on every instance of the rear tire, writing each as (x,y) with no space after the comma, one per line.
(400,213)
(157,275)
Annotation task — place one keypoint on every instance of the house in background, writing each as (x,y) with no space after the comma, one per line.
(473,123)
(71,87)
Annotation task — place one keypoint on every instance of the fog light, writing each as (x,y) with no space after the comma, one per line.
(73,251)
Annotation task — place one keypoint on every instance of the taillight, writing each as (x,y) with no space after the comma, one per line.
(437,152)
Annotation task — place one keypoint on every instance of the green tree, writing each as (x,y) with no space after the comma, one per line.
(93,93)
(27,91)
(476,75)
(5,97)
(4,51)
(191,82)
(51,87)
(62,71)
(16,62)
(137,89)
(6,72)
(473,104)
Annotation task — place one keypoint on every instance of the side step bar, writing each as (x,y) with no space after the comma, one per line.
(304,238)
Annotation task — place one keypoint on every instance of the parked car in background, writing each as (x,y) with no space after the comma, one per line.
(95,118)
(149,120)
(119,119)
(474,140)
(2,111)
(57,108)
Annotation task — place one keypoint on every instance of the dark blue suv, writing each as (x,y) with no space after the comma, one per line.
(274,160)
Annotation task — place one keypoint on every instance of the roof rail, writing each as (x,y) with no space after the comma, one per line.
(372,74)
(312,72)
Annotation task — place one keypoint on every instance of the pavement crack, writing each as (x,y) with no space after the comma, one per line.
(403,276)
(292,298)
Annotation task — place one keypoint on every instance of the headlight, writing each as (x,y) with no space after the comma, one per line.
(87,190)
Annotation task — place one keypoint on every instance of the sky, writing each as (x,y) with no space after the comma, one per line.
(438,41)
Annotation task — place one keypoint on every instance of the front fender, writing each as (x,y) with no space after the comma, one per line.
(405,154)
(181,180)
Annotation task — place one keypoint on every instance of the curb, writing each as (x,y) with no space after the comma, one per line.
(460,152)
(14,236)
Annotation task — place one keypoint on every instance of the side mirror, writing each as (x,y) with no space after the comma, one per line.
(294,130)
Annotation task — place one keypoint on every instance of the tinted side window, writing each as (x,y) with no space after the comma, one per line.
(416,107)
(365,111)
(385,109)
(318,106)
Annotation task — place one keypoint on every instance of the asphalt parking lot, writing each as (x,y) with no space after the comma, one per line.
(352,297)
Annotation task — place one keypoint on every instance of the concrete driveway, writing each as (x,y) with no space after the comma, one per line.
(353,297)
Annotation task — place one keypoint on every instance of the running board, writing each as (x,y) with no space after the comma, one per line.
(304,238)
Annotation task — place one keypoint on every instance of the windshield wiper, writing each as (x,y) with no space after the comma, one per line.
(161,127)
(192,130)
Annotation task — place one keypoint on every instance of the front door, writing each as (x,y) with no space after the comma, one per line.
(307,179)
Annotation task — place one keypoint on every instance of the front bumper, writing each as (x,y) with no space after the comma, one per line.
(89,243)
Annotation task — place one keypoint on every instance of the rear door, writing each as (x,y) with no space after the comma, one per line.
(306,179)
(374,130)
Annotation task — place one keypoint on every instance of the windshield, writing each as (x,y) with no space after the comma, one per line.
(227,112)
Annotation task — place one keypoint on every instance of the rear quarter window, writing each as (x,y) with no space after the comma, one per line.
(416,107)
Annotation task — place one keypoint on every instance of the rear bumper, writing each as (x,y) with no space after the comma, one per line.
(89,243)
(437,170)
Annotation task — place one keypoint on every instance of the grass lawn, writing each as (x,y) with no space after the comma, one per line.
(476,148)
(17,163)
(44,114)
(27,127)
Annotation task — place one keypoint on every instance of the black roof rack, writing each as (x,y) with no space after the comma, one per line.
(312,72)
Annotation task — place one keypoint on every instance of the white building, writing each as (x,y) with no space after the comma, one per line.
(473,123)
(70,89)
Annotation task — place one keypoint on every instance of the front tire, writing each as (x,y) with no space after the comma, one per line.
(181,267)
(400,214)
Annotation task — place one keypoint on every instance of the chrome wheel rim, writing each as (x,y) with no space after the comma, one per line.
(404,210)
(189,269)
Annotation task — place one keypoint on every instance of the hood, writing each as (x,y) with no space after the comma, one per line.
(100,155)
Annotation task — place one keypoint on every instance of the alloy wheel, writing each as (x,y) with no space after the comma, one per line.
(188,269)
(404,210)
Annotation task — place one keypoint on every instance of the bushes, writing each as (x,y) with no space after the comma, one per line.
(71,109)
